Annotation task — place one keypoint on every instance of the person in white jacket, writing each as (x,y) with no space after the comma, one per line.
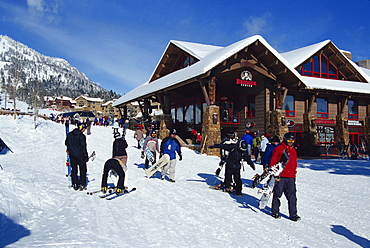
(264,144)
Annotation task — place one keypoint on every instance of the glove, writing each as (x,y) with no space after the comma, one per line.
(218,171)
(180,157)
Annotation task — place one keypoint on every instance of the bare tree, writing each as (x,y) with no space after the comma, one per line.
(36,93)
(15,81)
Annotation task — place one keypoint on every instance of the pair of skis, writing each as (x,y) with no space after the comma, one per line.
(112,194)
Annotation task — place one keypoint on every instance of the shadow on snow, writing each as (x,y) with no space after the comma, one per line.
(341,230)
(338,166)
(11,232)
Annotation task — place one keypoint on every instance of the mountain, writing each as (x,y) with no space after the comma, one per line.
(55,75)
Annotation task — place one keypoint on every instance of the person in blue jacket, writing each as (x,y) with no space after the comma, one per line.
(249,140)
(170,145)
(274,142)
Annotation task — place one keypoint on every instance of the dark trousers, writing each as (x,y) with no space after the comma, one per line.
(147,160)
(229,175)
(287,186)
(78,164)
(113,164)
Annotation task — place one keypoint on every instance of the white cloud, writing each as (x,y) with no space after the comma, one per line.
(257,24)
(36,5)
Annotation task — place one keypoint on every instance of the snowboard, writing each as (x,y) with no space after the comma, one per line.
(266,192)
(149,155)
(270,173)
(157,166)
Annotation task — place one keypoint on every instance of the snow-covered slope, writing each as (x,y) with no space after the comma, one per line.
(37,209)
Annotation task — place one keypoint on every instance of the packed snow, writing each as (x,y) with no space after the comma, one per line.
(38,209)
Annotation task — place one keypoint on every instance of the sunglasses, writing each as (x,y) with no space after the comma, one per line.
(290,140)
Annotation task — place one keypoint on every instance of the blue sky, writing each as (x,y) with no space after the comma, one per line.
(117,43)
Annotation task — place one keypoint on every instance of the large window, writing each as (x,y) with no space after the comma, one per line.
(183,61)
(229,113)
(250,107)
(322,108)
(289,106)
(320,66)
(352,110)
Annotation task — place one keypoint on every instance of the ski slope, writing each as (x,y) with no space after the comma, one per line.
(37,209)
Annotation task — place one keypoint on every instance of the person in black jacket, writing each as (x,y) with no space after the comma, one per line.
(237,153)
(77,148)
(119,148)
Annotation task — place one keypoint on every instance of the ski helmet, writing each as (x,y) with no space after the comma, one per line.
(117,136)
(173,131)
(289,137)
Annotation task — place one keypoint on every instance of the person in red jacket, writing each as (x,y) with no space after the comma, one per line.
(286,181)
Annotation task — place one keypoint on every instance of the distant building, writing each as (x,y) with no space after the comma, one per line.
(60,102)
(109,110)
(85,103)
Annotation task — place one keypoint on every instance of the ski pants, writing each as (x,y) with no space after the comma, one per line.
(78,164)
(233,173)
(113,164)
(287,186)
(170,166)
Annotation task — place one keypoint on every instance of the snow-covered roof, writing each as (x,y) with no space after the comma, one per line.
(338,85)
(197,50)
(210,61)
(92,99)
(211,56)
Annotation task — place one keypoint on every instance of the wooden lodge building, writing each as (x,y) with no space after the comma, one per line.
(316,92)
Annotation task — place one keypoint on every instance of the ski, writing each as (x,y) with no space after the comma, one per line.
(124,193)
(110,190)
(107,194)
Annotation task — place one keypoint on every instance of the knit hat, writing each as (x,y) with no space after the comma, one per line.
(275,139)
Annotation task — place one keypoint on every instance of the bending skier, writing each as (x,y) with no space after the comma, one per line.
(150,146)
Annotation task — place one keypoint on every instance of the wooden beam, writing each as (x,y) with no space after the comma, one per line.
(258,69)
(273,63)
(205,94)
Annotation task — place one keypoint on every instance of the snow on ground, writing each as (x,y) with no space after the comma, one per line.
(37,209)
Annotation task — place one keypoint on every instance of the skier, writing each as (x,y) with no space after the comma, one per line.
(264,143)
(115,126)
(151,143)
(119,148)
(116,165)
(88,124)
(231,138)
(286,182)
(170,145)
(237,152)
(77,148)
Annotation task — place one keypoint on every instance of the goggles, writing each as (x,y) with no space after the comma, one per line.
(290,140)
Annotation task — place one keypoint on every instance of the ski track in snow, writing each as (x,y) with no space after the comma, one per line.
(35,196)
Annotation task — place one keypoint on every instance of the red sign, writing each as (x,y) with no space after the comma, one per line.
(328,122)
(246,83)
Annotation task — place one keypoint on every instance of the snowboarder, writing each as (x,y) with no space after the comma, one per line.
(151,145)
(286,182)
(237,152)
(249,139)
(77,148)
(170,145)
(274,142)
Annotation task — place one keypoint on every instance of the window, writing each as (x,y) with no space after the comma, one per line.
(322,108)
(183,61)
(229,114)
(352,110)
(289,106)
(189,114)
(320,66)
(250,107)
